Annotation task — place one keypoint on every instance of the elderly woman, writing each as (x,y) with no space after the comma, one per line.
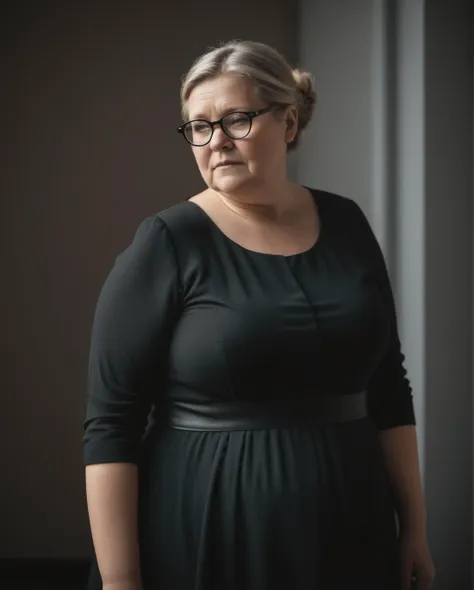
(250,424)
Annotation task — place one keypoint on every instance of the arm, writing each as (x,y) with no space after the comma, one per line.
(391,401)
(391,405)
(131,331)
(400,449)
(391,408)
(112,491)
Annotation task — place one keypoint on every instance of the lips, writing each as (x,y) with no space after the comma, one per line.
(229,163)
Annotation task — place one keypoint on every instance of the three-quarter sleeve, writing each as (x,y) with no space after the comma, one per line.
(131,332)
(390,398)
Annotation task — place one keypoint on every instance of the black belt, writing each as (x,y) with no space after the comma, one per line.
(236,415)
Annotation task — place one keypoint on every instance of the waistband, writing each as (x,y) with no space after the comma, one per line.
(244,415)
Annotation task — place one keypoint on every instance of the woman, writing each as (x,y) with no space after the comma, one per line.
(256,322)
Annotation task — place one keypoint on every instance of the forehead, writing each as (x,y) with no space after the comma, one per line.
(223,93)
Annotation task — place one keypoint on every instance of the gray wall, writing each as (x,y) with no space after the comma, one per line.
(448,278)
(395,133)
(93,97)
(336,45)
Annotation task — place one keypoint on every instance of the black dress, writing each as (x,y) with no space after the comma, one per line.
(187,312)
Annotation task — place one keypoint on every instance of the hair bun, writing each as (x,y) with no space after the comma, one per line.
(303,81)
(306,104)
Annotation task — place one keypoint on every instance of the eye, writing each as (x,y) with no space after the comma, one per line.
(237,120)
(200,127)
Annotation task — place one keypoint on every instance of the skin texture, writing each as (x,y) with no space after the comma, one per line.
(112,491)
(259,178)
(252,202)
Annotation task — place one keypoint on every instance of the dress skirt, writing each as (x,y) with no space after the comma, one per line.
(301,509)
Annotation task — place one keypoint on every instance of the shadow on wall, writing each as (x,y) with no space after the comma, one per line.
(93,100)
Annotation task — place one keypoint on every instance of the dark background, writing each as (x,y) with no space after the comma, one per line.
(90,105)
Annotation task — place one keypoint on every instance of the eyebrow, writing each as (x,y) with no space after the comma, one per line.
(223,113)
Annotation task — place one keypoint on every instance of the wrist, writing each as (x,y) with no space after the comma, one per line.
(412,523)
(122,585)
(123,581)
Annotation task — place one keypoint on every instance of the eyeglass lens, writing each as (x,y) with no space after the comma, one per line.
(235,125)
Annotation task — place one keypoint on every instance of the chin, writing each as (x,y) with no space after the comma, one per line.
(231,185)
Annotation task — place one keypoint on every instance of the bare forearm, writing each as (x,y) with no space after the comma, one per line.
(400,449)
(112,495)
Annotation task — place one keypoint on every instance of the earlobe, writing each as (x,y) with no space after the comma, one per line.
(291,128)
(291,124)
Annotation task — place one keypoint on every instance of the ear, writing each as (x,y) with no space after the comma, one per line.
(291,120)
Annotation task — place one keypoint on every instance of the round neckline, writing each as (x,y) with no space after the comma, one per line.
(269,254)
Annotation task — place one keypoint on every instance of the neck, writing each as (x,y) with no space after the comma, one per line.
(269,203)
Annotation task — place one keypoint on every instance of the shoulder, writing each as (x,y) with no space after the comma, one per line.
(176,223)
(341,211)
(166,243)
(335,203)
(152,238)
(181,218)
(188,228)
(346,217)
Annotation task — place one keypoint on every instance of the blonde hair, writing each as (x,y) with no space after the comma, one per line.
(270,74)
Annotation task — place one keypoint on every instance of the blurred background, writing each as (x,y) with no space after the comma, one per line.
(90,102)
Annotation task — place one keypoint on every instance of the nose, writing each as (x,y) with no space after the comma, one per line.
(219,140)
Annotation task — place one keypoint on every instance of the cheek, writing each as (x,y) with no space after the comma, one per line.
(264,150)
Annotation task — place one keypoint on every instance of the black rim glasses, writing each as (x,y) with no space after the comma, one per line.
(236,125)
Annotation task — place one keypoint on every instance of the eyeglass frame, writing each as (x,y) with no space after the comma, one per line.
(250,114)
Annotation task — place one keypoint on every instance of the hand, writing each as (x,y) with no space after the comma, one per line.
(416,560)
